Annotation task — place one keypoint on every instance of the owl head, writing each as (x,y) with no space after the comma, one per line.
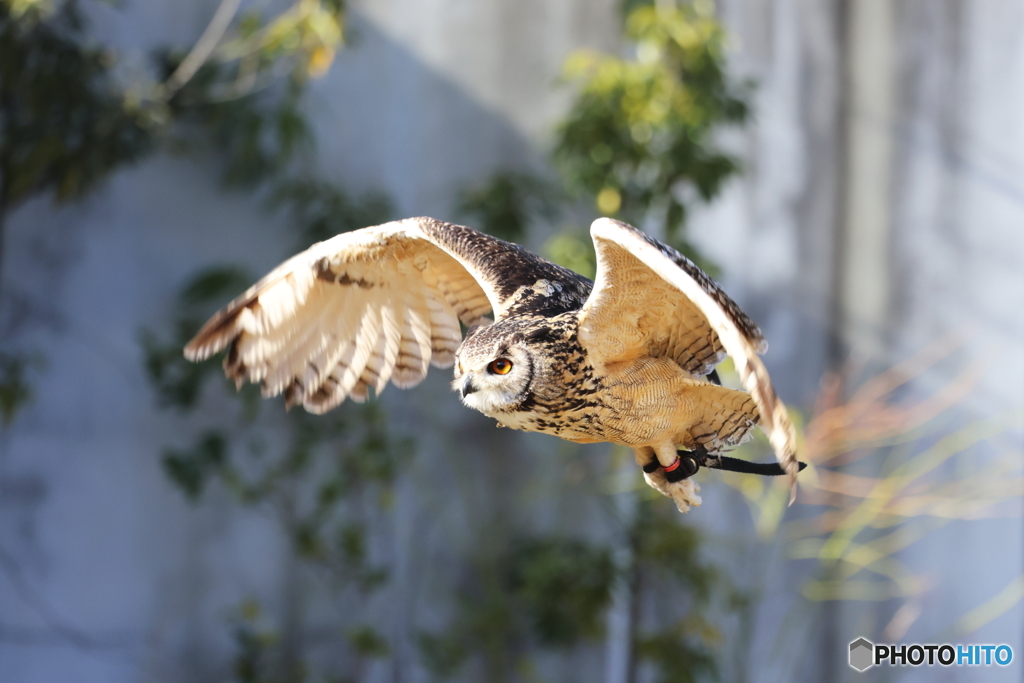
(496,367)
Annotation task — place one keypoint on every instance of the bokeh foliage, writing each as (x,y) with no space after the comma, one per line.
(237,95)
(67,123)
(508,202)
(63,125)
(890,466)
(639,136)
(63,129)
(332,470)
(521,596)
(15,387)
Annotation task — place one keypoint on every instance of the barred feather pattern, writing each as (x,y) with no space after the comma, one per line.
(331,323)
(631,313)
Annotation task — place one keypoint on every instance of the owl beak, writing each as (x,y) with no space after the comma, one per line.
(467,387)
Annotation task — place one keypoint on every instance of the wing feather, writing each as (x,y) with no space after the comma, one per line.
(445,335)
(414,350)
(374,306)
(310,352)
(360,310)
(650,300)
(330,391)
(393,316)
(360,392)
(375,363)
(365,341)
(339,314)
(726,416)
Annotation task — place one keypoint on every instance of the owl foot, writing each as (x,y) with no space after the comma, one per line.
(675,480)
(683,493)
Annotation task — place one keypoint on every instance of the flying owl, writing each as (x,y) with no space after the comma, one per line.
(627,359)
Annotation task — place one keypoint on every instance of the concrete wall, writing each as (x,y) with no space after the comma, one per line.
(881,213)
(109,575)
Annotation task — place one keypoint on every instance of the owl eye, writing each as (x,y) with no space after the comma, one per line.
(501,366)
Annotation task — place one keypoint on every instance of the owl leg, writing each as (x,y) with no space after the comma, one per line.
(653,461)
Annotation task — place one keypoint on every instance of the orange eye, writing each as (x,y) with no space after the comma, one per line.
(500,367)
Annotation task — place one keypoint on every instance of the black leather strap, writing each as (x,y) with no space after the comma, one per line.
(691,461)
(766,469)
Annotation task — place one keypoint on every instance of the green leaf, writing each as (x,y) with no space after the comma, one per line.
(640,129)
(64,124)
(442,656)
(191,468)
(368,642)
(508,203)
(15,390)
(212,285)
(564,586)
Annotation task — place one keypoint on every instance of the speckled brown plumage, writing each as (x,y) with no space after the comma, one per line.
(619,360)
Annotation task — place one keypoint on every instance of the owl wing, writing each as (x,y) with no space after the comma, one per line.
(365,308)
(649,300)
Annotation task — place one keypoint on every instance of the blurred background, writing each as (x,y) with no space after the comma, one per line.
(852,171)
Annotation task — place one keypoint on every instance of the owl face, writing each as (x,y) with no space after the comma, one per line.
(493,371)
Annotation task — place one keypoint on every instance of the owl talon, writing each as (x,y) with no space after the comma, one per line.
(683,493)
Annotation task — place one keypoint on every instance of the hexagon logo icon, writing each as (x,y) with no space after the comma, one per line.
(861,654)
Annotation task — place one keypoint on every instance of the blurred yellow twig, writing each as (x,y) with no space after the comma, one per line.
(866,520)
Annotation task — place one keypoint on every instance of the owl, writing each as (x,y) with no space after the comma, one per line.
(627,359)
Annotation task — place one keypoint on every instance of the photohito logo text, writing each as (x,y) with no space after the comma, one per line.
(865,654)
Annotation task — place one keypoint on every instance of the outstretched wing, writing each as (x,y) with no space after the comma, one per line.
(365,308)
(649,300)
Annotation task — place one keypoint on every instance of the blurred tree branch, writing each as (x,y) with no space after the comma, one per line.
(239,89)
(203,48)
(639,132)
(912,475)
(66,123)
